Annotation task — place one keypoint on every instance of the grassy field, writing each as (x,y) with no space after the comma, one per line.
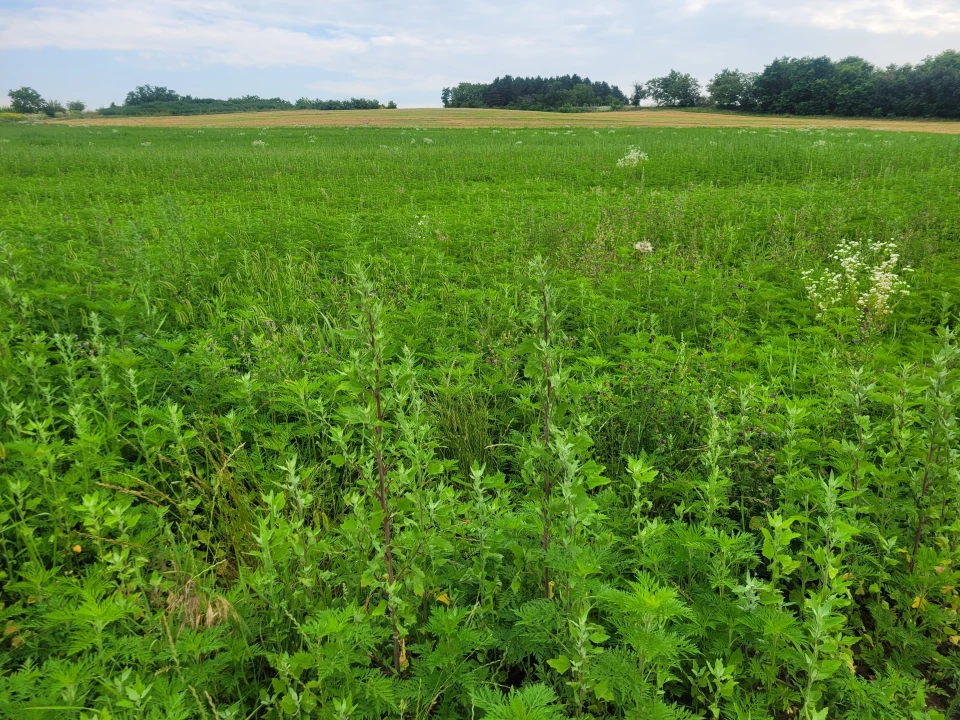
(540,423)
(470,118)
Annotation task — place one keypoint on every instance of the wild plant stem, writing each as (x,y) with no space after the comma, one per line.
(382,493)
(546,444)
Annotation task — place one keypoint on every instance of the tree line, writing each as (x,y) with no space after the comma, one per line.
(563,93)
(794,86)
(160,100)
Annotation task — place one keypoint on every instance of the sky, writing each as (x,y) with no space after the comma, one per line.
(408,51)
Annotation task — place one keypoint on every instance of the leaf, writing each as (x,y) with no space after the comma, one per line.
(602,691)
(560,664)
(444,598)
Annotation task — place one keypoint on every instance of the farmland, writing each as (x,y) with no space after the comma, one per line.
(470,118)
(488,422)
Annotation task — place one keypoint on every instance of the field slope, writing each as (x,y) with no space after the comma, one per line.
(469,118)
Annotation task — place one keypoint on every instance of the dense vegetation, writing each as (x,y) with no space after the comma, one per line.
(797,86)
(851,87)
(567,93)
(147,100)
(358,423)
(153,100)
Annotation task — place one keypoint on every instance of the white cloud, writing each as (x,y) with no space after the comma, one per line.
(916,17)
(420,46)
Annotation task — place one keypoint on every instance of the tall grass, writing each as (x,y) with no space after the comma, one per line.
(294,430)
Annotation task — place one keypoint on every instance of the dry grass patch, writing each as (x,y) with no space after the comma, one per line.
(470,118)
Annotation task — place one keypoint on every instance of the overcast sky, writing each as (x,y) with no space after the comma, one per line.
(407,51)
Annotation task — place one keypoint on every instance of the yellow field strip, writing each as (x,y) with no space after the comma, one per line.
(469,118)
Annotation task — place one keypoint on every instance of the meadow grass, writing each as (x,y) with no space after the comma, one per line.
(400,422)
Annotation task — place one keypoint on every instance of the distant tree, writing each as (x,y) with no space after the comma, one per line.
(52,108)
(938,83)
(391,105)
(675,89)
(732,90)
(804,86)
(468,95)
(76,106)
(151,93)
(639,94)
(445,96)
(854,87)
(25,100)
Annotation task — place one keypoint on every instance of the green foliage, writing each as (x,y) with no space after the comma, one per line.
(348,426)
(26,100)
(675,89)
(564,93)
(152,100)
(854,87)
(733,90)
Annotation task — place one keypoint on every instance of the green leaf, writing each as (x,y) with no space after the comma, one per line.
(560,664)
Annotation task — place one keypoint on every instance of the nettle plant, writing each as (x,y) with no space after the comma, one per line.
(865,276)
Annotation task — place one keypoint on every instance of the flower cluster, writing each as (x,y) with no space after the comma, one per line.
(259,143)
(632,158)
(644,247)
(867,278)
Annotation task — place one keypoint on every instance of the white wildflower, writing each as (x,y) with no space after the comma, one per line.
(259,143)
(632,158)
(427,140)
(867,279)
(145,144)
(643,247)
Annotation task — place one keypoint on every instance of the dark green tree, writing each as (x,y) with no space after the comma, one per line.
(52,108)
(76,106)
(675,89)
(938,82)
(25,100)
(150,93)
(639,94)
(732,90)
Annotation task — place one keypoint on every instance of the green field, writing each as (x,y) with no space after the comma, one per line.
(475,423)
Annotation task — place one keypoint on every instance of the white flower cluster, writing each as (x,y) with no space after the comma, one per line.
(632,158)
(259,143)
(644,247)
(145,144)
(867,278)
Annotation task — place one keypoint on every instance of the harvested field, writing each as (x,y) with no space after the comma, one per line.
(470,118)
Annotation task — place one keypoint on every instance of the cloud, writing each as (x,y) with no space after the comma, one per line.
(419,46)
(915,17)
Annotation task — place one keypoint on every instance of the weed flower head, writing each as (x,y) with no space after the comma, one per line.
(428,141)
(632,158)
(865,276)
(644,247)
(259,143)
(145,144)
